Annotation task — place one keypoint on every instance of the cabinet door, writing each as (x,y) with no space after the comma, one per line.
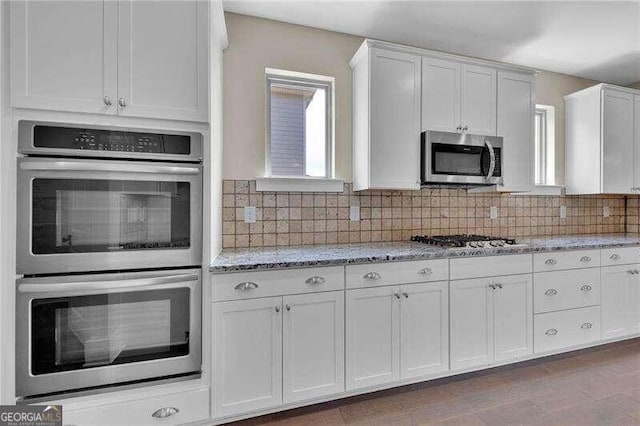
(512,317)
(516,113)
(440,95)
(424,329)
(633,306)
(636,143)
(617,134)
(373,336)
(63,55)
(313,345)
(394,151)
(247,348)
(479,100)
(162,59)
(616,313)
(471,332)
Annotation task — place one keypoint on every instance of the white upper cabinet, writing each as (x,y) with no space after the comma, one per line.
(162,54)
(458,97)
(139,59)
(603,141)
(516,112)
(64,55)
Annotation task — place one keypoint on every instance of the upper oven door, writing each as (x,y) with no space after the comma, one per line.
(83,215)
(461,158)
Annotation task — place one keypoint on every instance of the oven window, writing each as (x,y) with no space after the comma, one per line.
(88,216)
(74,333)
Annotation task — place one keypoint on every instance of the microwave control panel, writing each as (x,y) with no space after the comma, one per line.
(109,140)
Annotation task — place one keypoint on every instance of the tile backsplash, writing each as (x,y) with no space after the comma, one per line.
(300,218)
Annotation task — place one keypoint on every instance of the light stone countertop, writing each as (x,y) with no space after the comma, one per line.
(348,254)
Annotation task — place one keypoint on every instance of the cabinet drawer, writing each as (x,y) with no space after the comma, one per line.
(247,285)
(620,256)
(556,330)
(380,274)
(558,260)
(192,406)
(490,266)
(554,291)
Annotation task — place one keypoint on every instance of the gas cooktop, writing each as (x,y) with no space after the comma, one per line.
(465,241)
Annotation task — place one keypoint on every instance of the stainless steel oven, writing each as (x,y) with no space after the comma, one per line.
(461,158)
(109,204)
(85,331)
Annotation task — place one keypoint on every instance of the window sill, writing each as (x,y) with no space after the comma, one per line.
(301,184)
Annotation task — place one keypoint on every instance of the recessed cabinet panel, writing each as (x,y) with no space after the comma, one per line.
(64,55)
(440,95)
(513,317)
(479,100)
(313,345)
(617,134)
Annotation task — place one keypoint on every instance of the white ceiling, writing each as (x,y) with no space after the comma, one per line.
(593,39)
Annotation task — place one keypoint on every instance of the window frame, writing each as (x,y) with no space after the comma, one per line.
(303,80)
(544,154)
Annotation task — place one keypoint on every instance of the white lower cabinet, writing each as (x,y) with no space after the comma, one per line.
(564,329)
(491,320)
(620,300)
(396,332)
(277,349)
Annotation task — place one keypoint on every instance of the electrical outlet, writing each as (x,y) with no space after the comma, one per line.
(493,212)
(250,214)
(563,212)
(354,213)
(605,211)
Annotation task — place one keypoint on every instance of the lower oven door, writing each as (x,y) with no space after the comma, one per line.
(82,332)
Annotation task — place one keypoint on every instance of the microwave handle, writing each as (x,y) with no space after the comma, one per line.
(133,284)
(98,166)
(492,159)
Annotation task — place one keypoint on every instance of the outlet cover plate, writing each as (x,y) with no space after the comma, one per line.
(250,214)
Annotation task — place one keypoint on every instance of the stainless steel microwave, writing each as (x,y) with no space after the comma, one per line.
(461,158)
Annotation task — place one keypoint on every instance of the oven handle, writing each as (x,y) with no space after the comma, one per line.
(98,166)
(133,284)
(492,159)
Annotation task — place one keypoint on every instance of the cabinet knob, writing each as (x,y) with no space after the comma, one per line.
(551,332)
(498,285)
(551,292)
(372,276)
(165,412)
(632,271)
(459,128)
(492,286)
(465,128)
(107,101)
(288,307)
(246,286)
(585,259)
(277,308)
(586,326)
(614,256)
(406,295)
(397,295)
(551,261)
(122,102)
(586,288)
(315,280)
(425,271)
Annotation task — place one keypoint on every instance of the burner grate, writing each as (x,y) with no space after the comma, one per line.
(459,240)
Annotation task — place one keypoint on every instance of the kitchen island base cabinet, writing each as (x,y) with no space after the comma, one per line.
(396,333)
(620,300)
(275,350)
(491,320)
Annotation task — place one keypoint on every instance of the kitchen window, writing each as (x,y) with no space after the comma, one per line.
(299,132)
(545,145)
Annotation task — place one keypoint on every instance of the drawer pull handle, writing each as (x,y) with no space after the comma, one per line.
(633,271)
(372,276)
(165,412)
(426,271)
(551,332)
(585,259)
(586,288)
(550,262)
(551,292)
(614,256)
(315,281)
(586,326)
(246,286)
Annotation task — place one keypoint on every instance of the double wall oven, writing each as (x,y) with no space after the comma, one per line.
(109,243)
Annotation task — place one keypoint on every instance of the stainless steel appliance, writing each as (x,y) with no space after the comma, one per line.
(97,210)
(461,158)
(466,241)
(85,331)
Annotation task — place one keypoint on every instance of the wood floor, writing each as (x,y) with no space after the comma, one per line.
(599,386)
